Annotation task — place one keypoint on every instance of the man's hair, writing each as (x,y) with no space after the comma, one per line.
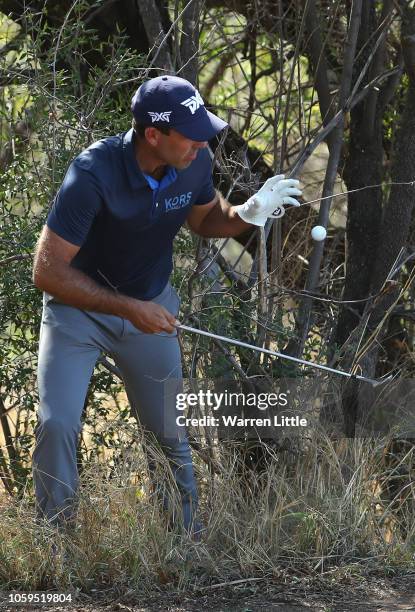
(140,128)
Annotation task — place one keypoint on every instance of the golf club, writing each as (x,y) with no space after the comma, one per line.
(373,382)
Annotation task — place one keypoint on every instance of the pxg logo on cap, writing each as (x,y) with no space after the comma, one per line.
(160,116)
(174,101)
(193,102)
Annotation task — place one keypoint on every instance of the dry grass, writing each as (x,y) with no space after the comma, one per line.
(320,507)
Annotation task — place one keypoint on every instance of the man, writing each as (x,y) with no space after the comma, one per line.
(103,261)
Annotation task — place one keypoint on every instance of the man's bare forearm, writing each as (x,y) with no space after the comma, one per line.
(53,273)
(222,221)
(71,286)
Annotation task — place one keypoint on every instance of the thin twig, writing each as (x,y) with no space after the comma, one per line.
(8,260)
(231,583)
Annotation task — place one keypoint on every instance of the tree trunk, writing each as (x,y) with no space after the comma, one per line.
(363,168)
(397,214)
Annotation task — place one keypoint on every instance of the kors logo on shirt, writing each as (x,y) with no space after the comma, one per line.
(179,201)
(160,116)
(194,102)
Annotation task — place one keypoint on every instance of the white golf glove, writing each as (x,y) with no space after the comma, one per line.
(269,200)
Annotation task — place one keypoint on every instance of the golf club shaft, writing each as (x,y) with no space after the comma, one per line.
(318,366)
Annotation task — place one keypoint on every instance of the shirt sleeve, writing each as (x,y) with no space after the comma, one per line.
(76,204)
(207,191)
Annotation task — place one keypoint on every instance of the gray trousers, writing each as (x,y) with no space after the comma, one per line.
(71,340)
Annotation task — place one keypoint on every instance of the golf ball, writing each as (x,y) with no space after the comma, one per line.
(318,233)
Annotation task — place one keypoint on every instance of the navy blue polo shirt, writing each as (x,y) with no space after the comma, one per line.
(123,220)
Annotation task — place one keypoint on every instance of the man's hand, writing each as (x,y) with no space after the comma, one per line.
(150,318)
(269,200)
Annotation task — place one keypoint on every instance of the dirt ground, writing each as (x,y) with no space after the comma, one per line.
(325,594)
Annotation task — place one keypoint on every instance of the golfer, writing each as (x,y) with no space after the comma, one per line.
(103,262)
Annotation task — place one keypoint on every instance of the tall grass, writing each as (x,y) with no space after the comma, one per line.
(327,504)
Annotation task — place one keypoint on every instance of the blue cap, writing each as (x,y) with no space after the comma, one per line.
(174,102)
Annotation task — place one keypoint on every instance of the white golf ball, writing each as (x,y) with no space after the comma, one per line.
(318,233)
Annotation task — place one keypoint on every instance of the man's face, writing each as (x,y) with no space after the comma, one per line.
(174,149)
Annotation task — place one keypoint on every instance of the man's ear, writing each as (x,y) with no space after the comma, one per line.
(152,136)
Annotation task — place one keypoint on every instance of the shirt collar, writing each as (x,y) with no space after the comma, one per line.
(138,178)
(169,178)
